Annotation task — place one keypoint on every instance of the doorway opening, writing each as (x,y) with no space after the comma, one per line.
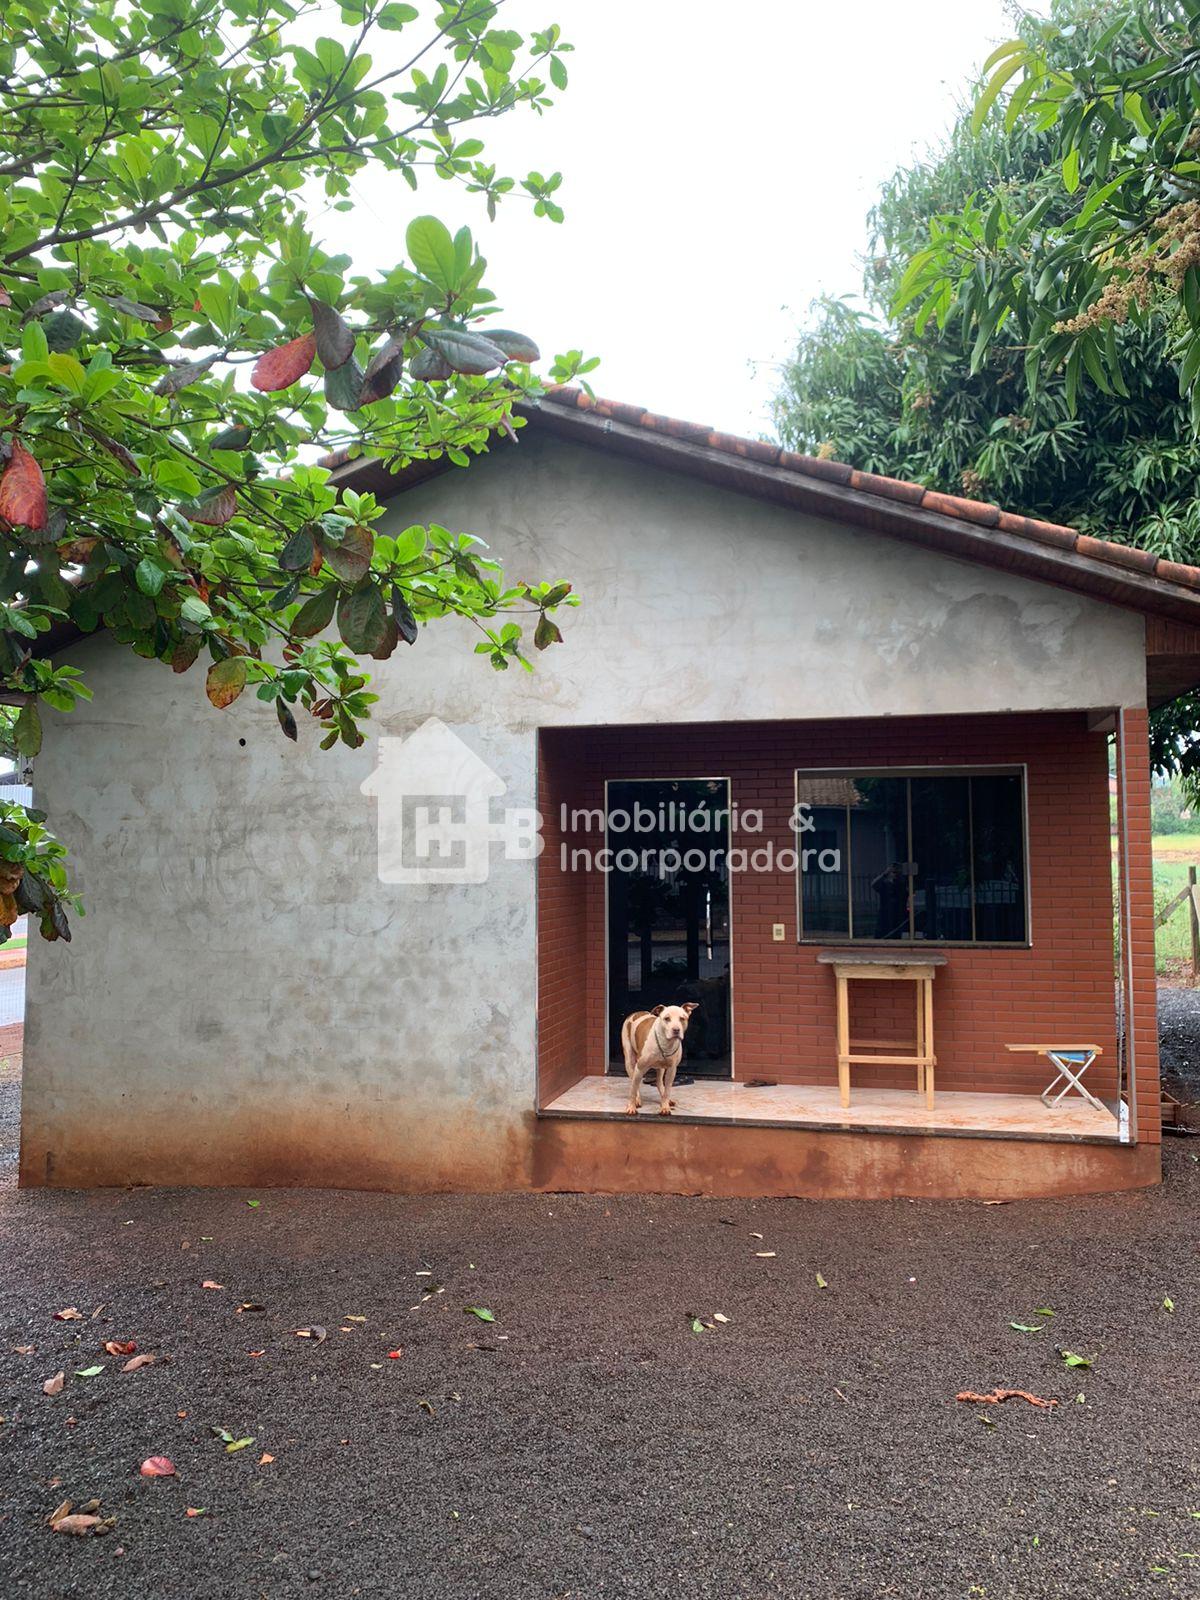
(668,912)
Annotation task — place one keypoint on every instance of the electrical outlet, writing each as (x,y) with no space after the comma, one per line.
(778,932)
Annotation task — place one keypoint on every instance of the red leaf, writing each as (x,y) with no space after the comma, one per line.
(118,1347)
(79,1522)
(23,490)
(157,1467)
(215,510)
(285,365)
(209,1284)
(136,1363)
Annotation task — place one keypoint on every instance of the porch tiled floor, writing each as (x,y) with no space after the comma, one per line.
(880,1110)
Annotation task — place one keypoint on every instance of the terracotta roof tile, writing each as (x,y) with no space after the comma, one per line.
(910,494)
(1044,532)
(1173,572)
(952,505)
(1121,555)
(816,467)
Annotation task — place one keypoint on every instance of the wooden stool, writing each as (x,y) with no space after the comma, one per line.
(900,967)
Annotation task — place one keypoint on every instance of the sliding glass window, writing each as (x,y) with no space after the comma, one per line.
(916,856)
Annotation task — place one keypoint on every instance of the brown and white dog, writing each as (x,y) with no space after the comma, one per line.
(652,1041)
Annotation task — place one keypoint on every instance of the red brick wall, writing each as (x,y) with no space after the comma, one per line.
(783,1002)
(1135,867)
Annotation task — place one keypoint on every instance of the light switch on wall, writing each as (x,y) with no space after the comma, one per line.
(778,932)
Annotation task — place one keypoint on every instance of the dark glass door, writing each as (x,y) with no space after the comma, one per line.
(668,912)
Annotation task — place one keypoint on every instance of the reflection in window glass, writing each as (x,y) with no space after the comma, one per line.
(998,829)
(932,856)
(879,859)
(941,828)
(824,900)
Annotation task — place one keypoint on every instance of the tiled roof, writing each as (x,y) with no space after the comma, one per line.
(977,512)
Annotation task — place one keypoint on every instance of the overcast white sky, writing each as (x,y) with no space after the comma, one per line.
(719,161)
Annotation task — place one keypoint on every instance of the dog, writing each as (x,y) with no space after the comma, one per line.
(652,1041)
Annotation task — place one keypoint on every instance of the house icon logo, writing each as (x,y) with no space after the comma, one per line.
(434,797)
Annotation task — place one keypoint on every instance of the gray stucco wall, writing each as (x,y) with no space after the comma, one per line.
(247,1002)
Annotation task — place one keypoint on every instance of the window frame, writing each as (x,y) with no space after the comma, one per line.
(1004,769)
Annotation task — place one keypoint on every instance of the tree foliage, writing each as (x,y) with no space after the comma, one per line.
(179,348)
(953,374)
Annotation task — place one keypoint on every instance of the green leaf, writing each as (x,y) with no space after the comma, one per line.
(362,618)
(315,615)
(149,576)
(1027,1327)
(821,1284)
(481,1312)
(297,554)
(1070,169)
(344,386)
(1011,66)
(27,730)
(465,352)
(88,1372)
(226,680)
(431,251)
(1072,1360)
(237,1444)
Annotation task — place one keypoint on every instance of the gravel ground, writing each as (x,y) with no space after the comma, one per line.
(1179,1040)
(588,1443)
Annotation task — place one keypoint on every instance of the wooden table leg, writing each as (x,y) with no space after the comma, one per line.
(920,1037)
(930,1058)
(843,1040)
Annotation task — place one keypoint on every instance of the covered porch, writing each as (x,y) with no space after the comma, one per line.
(979,848)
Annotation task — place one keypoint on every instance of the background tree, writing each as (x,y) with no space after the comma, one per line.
(981,364)
(178,348)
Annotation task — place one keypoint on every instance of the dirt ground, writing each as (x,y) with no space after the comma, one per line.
(588,1442)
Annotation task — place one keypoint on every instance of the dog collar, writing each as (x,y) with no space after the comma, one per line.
(676,1044)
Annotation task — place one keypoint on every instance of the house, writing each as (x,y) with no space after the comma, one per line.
(805,716)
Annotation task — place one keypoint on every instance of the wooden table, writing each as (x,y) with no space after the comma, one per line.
(905,967)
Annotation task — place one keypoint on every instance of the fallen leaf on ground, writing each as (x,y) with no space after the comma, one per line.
(59,1512)
(316,1332)
(355,1319)
(79,1523)
(697,1325)
(765,1255)
(24,1349)
(88,1372)
(157,1467)
(997,1395)
(54,1385)
(1168,1303)
(394,1355)
(250,1305)
(256,1352)
(1072,1360)
(197,1511)
(481,1312)
(137,1363)
(209,1284)
(1027,1327)
(238,1444)
(254,1202)
(756,1235)
(425,1405)
(181,1415)
(117,1347)
(1042,1311)
(821,1284)
(995,1202)
(265,1459)
(719,1316)
(70,1314)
